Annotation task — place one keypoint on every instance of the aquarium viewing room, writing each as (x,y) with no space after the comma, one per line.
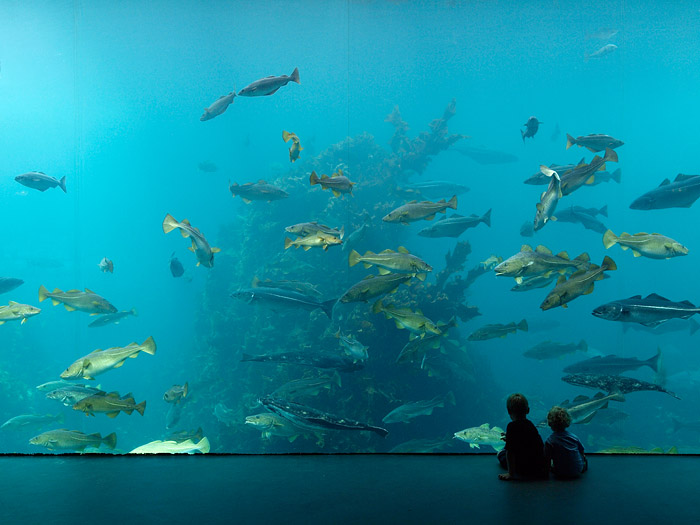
(349,261)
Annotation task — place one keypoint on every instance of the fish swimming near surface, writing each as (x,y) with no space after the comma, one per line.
(259,191)
(681,193)
(540,261)
(486,156)
(482,435)
(651,245)
(373,286)
(115,318)
(603,51)
(415,211)
(584,174)
(455,225)
(40,181)
(492,331)
(268,85)
(325,361)
(594,143)
(312,419)
(176,268)
(337,183)
(552,350)
(200,246)
(531,127)
(387,261)
(101,361)
(649,311)
(176,393)
(295,149)
(408,411)
(30,422)
(318,240)
(87,301)
(579,283)
(405,318)
(63,439)
(277,298)
(7,284)
(220,105)
(613,365)
(174,447)
(110,404)
(17,311)
(435,189)
(548,200)
(614,383)
(106,265)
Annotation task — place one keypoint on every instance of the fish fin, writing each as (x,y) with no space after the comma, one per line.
(191,248)
(636,253)
(589,290)
(69,308)
(247,201)
(563,255)
(336,193)
(430,217)
(121,363)
(526,248)
(543,250)
(141,407)
(665,182)
(519,280)
(215,250)
(383,271)
(570,141)
(2,322)
(421,276)
(113,414)
(307,248)
(590,180)
(564,305)
(609,239)
(353,258)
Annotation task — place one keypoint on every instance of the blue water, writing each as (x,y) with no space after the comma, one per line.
(110,96)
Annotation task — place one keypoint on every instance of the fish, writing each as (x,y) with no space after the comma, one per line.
(101,361)
(218,107)
(491,331)
(30,421)
(582,409)
(63,439)
(312,419)
(681,193)
(435,189)
(173,447)
(548,200)
(7,284)
(295,149)
(650,311)
(416,350)
(482,435)
(540,261)
(413,321)
(326,361)
(40,181)
(106,265)
(357,235)
(176,268)
(603,51)
(310,228)
(486,156)
(584,174)
(352,346)
(651,245)
(408,411)
(270,424)
(552,350)
(527,229)
(531,127)
(579,283)
(259,191)
(176,393)
(576,214)
(455,225)
(614,383)
(668,327)
(110,404)
(87,301)
(184,435)
(533,283)
(373,286)
(302,287)
(603,210)
(540,178)
(310,386)
(53,385)
(280,298)
(16,311)
(415,211)
(318,239)
(604,176)
(69,395)
(613,365)
(115,318)
(268,85)
(594,143)
(200,246)
(207,167)
(388,261)
(337,183)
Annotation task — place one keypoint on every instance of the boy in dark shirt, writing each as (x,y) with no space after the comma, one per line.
(523,454)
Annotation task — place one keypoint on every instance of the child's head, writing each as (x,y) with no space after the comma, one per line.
(558,419)
(517,406)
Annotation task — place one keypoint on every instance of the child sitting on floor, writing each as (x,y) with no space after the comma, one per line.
(523,453)
(563,450)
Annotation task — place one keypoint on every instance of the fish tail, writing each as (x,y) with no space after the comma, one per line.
(522,325)
(486,218)
(609,239)
(603,211)
(313,179)
(141,407)
(294,77)
(653,362)
(62,184)
(185,390)
(203,446)
(169,223)
(286,136)
(608,264)
(570,141)
(287,242)
(327,307)
(610,155)
(694,325)
(354,258)
(149,346)
(616,175)
(43,293)
(452,203)
(110,440)
(377,307)
(378,430)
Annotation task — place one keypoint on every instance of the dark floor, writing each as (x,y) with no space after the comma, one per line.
(340,489)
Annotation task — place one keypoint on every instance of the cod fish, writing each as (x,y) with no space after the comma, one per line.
(326,361)
(100,361)
(492,331)
(176,393)
(312,419)
(408,411)
(652,245)
(40,181)
(540,178)
(200,247)
(583,216)
(176,268)
(282,298)
(259,191)
(301,287)
(110,404)
(531,127)
(681,193)
(295,149)
(583,408)
(540,261)
(483,435)
(552,350)
(16,311)
(64,439)
(220,105)
(414,322)
(373,286)
(352,346)
(594,143)
(580,283)
(107,319)
(7,284)
(415,211)
(308,386)
(584,174)
(455,225)
(87,301)
(613,365)
(318,239)
(337,183)
(435,189)
(650,311)
(533,283)
(69,395)
(173,447)
(310,228)
(387,261)
(548,200)
(30,421)
(268,85)
(270,424)
(106,265)
(614,384)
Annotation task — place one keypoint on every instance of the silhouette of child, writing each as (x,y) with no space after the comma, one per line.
(563,450)
(523,454)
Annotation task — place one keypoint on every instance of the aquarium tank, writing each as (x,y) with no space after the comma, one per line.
(351,226)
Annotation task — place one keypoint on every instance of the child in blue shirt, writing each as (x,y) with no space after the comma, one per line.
(563,449)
